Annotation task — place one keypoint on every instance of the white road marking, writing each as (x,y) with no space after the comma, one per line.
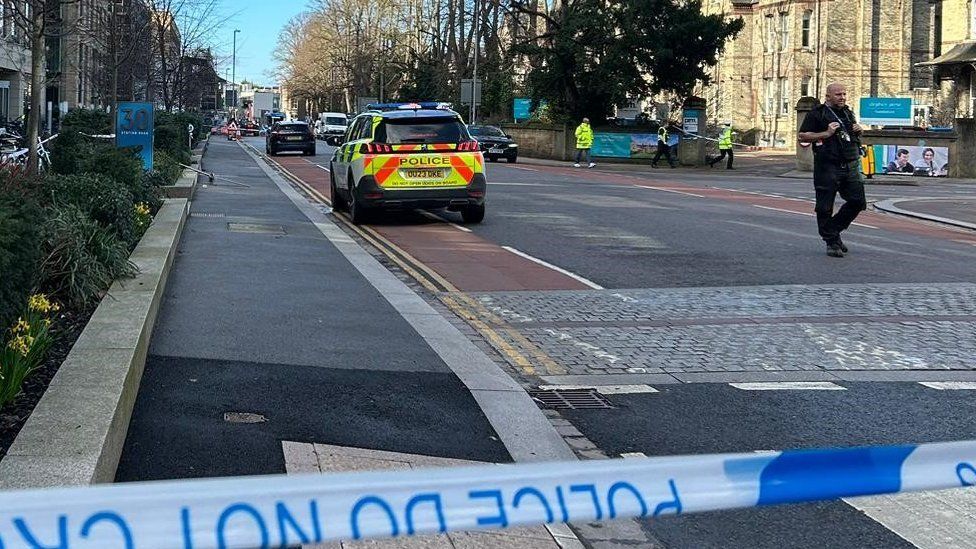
(604,389)
(574,276)
(866,226)
(783,210)
(436,217)
(950,385)
(523,168)
(669,190)
(590,348)
(789,386)
(509,184)
(942,518)
(633,455)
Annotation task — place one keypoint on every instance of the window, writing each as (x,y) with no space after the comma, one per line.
(420,130)
(770,96)
(805,29)
(805,87)
(784,96)
(770,40)
(784,31)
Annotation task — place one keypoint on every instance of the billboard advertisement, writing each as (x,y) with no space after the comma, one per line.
(886,111)
(627,145)
(912,160)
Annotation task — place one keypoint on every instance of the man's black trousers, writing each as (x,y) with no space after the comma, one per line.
(723,154)
(829,180)
(665,151)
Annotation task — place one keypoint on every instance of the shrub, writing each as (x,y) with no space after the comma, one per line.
(168,168)
(71,151)
(26,344)
(89,121)
(180,120)
(20,252)
(105,200)
(172,141)
(81,258)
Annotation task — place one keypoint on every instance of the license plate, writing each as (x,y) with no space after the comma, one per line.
(423,173)
(496,150)
(294,138)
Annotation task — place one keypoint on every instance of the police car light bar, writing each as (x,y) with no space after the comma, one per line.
(436,105)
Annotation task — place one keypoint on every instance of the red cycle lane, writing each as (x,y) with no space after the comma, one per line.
(466,260)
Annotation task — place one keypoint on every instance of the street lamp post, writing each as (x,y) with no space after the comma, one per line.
(233,83)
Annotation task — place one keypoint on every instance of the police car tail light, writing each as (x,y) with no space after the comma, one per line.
(375,148)
(471,146)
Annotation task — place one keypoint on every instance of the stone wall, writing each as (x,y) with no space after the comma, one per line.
(551,141)
(961,160)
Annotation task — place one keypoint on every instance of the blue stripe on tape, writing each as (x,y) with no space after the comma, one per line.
(806,475)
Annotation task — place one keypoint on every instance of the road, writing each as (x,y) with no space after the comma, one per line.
(709,295)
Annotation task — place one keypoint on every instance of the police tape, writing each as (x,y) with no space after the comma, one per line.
(282,511)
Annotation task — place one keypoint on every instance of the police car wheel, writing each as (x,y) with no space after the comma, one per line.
(338,203)
(473,214)
(357,213)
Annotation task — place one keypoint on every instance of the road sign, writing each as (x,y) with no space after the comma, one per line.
(134,128)
(886,111)
(466,89)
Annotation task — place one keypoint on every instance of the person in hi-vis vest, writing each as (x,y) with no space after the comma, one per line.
(724,147)
(584,142)
(663,149)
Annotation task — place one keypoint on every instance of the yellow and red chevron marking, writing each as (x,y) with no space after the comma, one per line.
(462,168)
(387,168)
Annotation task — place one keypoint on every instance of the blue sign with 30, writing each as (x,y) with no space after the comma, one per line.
(134,128)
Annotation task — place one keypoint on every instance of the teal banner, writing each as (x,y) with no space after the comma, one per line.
(616,145)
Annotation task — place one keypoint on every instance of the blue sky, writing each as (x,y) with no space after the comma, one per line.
(259,22)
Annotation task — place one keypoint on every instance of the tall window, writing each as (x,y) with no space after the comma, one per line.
(770,44)
(784,96)
(770,96)
(805,87)
(805,29)
(784,31)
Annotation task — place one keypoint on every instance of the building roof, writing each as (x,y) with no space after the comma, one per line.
(960,54)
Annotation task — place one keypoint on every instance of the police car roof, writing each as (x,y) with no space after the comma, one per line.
(420,113)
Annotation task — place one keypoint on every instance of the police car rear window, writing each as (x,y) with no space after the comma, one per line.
(420,130)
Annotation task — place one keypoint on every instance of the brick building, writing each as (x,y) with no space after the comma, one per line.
(878,48)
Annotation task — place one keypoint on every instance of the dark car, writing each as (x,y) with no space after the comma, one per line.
(250,129)
(290,136)
(494,143)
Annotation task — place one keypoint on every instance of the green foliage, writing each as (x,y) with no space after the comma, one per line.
(81,257)
(71,151)
(90,121)
(167,167)
(24,346)
(180,120)
(19,252)
(172,140)
(597,53)
(105,200)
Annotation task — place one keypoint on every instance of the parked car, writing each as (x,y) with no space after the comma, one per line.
(250,129)
(290,136)
(494,144)
(331,126)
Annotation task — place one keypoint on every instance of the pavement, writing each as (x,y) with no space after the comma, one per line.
(700,303)
(959,211)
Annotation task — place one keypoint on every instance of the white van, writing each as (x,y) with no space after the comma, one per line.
(331,126)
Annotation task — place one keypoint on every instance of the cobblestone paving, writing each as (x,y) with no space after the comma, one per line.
(754,329)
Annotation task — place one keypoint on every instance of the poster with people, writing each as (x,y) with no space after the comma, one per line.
(912,160)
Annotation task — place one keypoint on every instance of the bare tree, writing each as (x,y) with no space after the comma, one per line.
(180,28)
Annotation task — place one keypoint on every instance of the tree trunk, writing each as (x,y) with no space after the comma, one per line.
(37,84)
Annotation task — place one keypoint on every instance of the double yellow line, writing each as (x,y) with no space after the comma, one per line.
(473,312)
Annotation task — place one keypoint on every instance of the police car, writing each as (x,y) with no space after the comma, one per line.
(405,156)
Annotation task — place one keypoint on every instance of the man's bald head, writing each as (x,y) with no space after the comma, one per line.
(836,94)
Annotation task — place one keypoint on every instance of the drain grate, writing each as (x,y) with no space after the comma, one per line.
(570,399)
(255,228)
(207,214)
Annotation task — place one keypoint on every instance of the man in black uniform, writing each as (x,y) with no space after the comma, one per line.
(834,132)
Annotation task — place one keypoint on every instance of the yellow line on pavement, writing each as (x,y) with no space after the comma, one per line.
(473,313)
